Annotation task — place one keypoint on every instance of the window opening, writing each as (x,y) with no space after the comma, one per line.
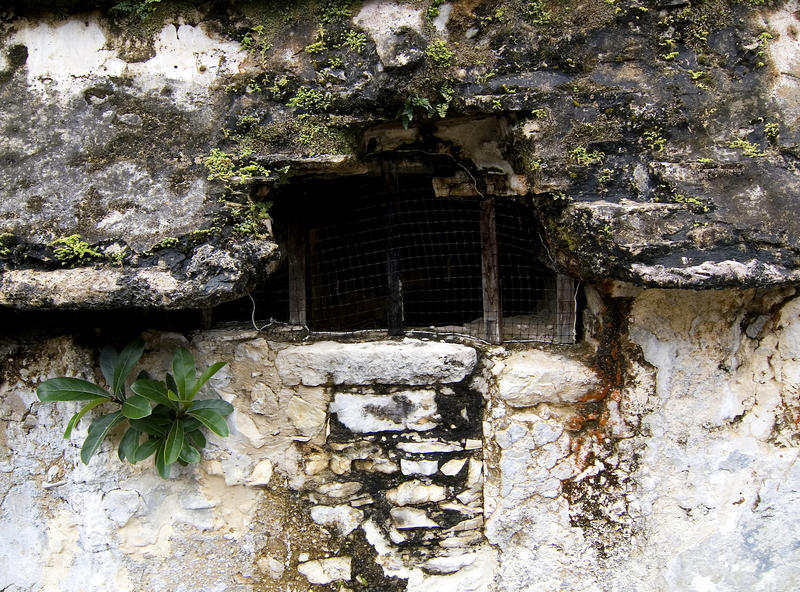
(361,252)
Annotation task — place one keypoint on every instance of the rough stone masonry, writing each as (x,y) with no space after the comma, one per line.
(656,142)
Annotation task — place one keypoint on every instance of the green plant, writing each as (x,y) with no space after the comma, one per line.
(311,100)
(539,113)
(439,54)
(6,242)
(172,429)
(253,218)
(698,77)
(408,110)
(73,250)
(319,45)
(356,40)
(585,158)
(140,8)
(771,130)
(433,9)
(536,13)
(747,148)
(654,140)
(220,165)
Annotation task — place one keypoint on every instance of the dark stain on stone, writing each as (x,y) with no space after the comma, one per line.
(396,410)
(16,56)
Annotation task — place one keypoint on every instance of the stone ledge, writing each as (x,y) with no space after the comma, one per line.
(409,362)
(211,276)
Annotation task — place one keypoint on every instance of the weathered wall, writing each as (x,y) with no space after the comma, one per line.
(669,462)
(658,141)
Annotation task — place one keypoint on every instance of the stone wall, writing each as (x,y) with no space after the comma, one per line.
(660,454)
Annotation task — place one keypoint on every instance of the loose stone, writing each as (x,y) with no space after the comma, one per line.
(325,571)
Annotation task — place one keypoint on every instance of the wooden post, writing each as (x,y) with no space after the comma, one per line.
(566,308)
(492,309)
(296,247)
(394,295)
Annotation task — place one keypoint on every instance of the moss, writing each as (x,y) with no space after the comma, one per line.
(169,242)
(319,46)
(200,236)
(253,217)
(73,250)
(311,100)
(355,40)
(438,54)
(220,165)
(747,148)
(433,9)
(585,158)
(654,140)
(7,241)
(771,130)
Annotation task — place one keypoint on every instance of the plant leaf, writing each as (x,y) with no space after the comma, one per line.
(189,454)
(204,377)
(212,420)
(97,432)
(150,425)
(136,407)
(174,442)
(125,363)
(154,390)
(108,360)
(84,410)
(147,448)
(218,405)
(185,372)
(161,466)
(128,445)
(65,388)
(195,438)
(190,424)
(170,380)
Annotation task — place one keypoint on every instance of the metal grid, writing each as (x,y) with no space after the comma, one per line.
(434,243)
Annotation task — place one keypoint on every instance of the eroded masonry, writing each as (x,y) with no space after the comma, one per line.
(506,292)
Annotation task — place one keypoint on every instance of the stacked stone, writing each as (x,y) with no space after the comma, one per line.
(403,452)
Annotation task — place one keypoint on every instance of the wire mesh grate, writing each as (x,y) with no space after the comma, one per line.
(354,243)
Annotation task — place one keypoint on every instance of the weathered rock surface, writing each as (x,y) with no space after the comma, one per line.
(657,146)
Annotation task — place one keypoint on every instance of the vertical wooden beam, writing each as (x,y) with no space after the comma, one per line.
(296,255)
(490,272)
(566,308)
(394,285)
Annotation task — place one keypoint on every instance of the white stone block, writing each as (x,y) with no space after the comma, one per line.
(307,419)
(415,492)
(325,571)
(407,410)
(532,377)
(411,518)
(452,467)
(344,518)
(261,475)
(418,467)
(409,362)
